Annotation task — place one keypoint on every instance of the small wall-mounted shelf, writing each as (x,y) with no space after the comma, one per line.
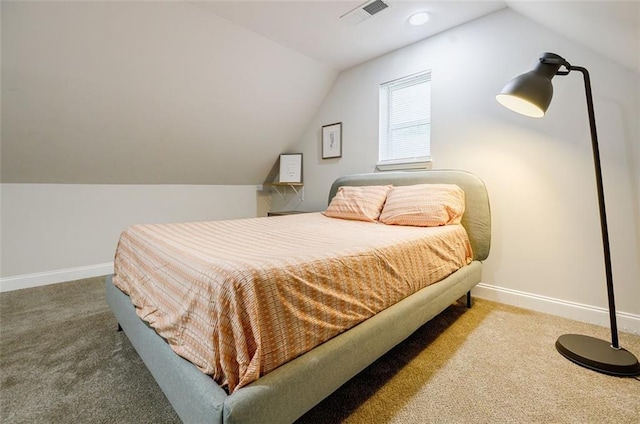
(298,189)
(282,213)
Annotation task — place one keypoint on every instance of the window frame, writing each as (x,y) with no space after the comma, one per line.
(386,91)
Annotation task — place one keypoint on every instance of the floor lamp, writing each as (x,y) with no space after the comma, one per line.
(530,94)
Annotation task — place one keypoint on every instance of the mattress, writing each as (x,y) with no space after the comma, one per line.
(240,298)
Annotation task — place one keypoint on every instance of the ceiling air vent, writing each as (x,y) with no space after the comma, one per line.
(364,11)
(375,7)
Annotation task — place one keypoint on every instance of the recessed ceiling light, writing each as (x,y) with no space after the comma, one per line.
(419,18)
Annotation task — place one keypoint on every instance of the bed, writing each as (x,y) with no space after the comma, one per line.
(286,392)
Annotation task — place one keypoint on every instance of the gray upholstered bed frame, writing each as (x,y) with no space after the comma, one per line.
(288,392)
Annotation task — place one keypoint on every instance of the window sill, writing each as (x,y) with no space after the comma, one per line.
(404,166)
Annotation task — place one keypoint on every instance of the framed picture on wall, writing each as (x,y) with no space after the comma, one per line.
(290,168)
(332,141)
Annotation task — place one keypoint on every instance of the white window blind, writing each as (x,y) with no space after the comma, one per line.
(405,120)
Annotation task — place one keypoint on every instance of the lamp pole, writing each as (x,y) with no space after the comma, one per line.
(601,204)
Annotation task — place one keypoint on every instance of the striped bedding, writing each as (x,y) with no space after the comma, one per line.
(239,298)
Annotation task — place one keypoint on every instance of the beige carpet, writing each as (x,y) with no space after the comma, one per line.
(490,364)
(61,360)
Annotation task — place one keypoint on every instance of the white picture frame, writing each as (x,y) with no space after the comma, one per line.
(290,168)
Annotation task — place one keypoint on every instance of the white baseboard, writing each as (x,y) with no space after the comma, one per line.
(628,323)
(59,276)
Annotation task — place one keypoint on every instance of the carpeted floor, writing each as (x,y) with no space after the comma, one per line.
(62,361)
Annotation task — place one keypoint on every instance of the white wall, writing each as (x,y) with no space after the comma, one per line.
(546,248)
(60,232)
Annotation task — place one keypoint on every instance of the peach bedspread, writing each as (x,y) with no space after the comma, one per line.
(239,298)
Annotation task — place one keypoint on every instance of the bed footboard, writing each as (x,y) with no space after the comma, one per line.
(288,392)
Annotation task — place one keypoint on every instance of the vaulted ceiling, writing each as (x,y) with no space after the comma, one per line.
(201,92)
(318,29)
(147,92)
(315,28)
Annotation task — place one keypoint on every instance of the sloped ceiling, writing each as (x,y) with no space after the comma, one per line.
(201,92)
(147,93)
(315,28)
(609,27)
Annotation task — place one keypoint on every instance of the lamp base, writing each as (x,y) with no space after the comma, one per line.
(598,355)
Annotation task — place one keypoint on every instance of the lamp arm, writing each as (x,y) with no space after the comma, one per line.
(601,203)
(554,59)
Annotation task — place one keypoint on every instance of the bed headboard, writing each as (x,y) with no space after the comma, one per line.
(477,215)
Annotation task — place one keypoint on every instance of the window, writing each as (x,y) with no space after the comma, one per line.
(405,121)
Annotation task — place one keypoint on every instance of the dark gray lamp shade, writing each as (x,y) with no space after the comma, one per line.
(530,94)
